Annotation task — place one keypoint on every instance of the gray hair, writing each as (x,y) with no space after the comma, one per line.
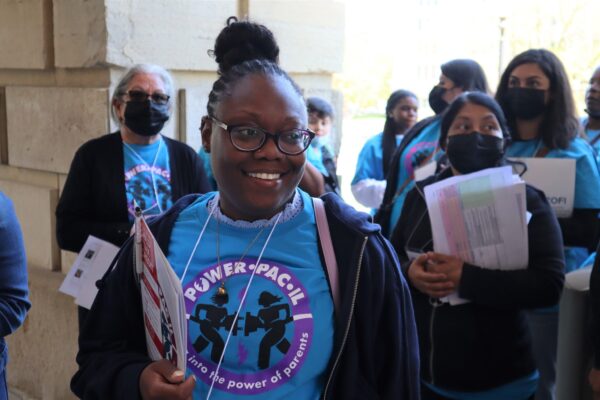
(154,69)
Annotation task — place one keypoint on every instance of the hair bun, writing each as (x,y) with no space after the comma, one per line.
(241,41)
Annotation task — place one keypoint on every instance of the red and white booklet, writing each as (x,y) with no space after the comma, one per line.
(162,299)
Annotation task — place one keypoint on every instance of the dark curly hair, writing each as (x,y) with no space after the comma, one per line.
(559,124)
(244,48)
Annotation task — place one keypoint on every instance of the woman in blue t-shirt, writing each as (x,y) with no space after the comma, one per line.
(536,97)
(369,182)
(268,317)
(419,147)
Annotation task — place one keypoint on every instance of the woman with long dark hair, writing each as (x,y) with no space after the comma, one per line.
(536,97)
(374,159)
(419,147)
(480,349)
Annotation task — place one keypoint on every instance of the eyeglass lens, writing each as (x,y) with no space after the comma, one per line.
(291,142)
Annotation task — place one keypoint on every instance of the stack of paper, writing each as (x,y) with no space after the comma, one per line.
(162,300)
(89,267)
(480,218)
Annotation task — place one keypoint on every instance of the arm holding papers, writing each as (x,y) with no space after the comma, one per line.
(537,285)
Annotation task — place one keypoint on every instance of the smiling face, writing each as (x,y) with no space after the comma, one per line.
(256,185)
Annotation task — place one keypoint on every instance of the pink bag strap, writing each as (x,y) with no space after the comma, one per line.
(328,253)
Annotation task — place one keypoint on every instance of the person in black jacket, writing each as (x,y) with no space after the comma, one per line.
(292,339)
(419,147)
(136,163)
(481,349)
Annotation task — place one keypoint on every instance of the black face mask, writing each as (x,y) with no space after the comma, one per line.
(146,118)
(437,104)
(525,103)
(474,151)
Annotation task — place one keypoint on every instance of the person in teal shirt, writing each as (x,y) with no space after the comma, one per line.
(591,123)
(419,147)
(536,97)
(263,313)
(368,185)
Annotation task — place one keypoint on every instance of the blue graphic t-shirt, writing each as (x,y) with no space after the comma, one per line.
(587,181)
(282,341)
(147,177)
(414,156)
(370,160)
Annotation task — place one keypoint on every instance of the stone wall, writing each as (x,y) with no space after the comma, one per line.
(60,60)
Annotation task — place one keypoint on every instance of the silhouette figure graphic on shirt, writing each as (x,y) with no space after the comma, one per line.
(216,317)
(269,318)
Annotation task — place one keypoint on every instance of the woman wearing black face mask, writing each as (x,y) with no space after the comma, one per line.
(134,164)
(419,147)
(535,94)
(481,349)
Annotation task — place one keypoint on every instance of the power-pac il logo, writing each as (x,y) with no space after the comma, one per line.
(270,339)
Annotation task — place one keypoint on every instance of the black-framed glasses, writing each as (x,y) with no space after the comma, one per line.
(140,96)
(252,138)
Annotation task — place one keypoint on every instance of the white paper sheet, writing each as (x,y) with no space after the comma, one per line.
(556,178)
(480,218)
(89,266)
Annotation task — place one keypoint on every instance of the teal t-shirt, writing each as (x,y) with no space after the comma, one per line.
(147,177)
(593,137)
(314,154)
(282,342)
(587,182)
(412,157)
(205,157)
(520,389)
(370,160)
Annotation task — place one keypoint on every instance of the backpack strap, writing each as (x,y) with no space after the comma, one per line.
(328,253)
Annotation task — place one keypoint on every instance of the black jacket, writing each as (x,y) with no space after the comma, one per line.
(375,354)
(93,201)
(485,343)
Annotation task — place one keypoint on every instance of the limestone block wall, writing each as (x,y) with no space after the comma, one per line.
(59,62)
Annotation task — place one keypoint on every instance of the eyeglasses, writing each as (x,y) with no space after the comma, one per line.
(251,138)
(140,96)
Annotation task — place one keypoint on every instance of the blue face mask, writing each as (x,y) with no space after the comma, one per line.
(320,141)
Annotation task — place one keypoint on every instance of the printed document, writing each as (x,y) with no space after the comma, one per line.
(480,218)
(162,300)
(89,267)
